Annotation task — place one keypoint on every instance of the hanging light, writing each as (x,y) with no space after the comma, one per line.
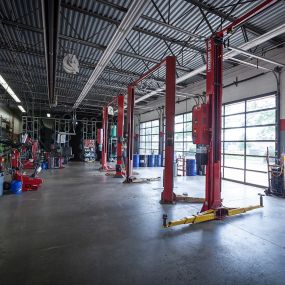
(8,89)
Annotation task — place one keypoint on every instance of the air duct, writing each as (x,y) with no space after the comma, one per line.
(134,12)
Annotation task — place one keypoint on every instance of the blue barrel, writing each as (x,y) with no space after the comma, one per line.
(191,167)
(136,160)
(16,187)
(151,160)
(158,161)
(44,165)
(1,183)
(143,160)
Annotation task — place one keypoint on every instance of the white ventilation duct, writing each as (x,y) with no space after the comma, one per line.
(131,17)
(246,46)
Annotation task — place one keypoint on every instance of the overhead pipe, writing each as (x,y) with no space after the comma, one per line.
(228,55)
(50,15)
(134,12)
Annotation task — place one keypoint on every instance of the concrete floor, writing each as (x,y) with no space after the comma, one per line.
(82,227)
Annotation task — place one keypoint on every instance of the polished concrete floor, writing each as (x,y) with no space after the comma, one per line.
(83,227)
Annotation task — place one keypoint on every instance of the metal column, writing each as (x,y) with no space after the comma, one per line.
(214,86)
(120,136)
(130,128)
(105,138)
(167,196)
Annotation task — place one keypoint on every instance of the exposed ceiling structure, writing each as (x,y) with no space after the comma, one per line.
(86,29)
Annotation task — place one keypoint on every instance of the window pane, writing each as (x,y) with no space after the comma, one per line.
(234,147)
(142,138)
(189,147)
(188,136)
(179,119)
(187,117)
(260,133)
(148,138)
(260,148)
(261,103)
(148,124)
(148,131)
(256,178)
(234,108)
(234,174)
(148,145)
(188,127)
(256,163)
(142,132)
(154,138)
(142,125)
(155,130)
(178,146)
(178,137)
(234,134)
(154,145)
(234,161)
(234,121)
(178,128)
(155,123)
(261,118)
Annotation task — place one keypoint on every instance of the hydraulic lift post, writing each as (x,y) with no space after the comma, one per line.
(211,112)
(170,62)
(105,138)
(120,136)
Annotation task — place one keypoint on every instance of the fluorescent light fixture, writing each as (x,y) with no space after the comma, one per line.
(8,89)
(48,115)
(22,109)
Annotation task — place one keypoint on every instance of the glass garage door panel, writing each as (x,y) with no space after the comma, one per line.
(236,161)
(249,127)
(234,134)
(234,147)
(261,118)
(234,121)
(234,174)
(260,133)
(256,163)
(260,148)
(261,103)
(256,178)
(149,137)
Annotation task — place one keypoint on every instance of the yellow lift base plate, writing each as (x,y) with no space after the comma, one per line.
(212,214)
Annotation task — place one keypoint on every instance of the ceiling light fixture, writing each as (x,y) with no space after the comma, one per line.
(8,89)
(22,109)
(48,115)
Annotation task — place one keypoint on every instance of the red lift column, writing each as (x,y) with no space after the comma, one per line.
(167,196)
(105,138)
(130,126)
(120,135)
(214,101)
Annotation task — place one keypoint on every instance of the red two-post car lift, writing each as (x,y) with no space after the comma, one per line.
(207,126)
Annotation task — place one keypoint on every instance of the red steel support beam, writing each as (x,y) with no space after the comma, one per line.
(214,86)
(257,9)
(120,136)
(130,129)
(167,196)
(105,138)
(214,90)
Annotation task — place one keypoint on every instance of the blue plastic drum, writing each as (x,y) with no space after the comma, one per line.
(16,187)
(151,160)
(136,160)
(191,167)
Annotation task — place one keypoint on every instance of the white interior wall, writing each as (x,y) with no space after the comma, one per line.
(263,84)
